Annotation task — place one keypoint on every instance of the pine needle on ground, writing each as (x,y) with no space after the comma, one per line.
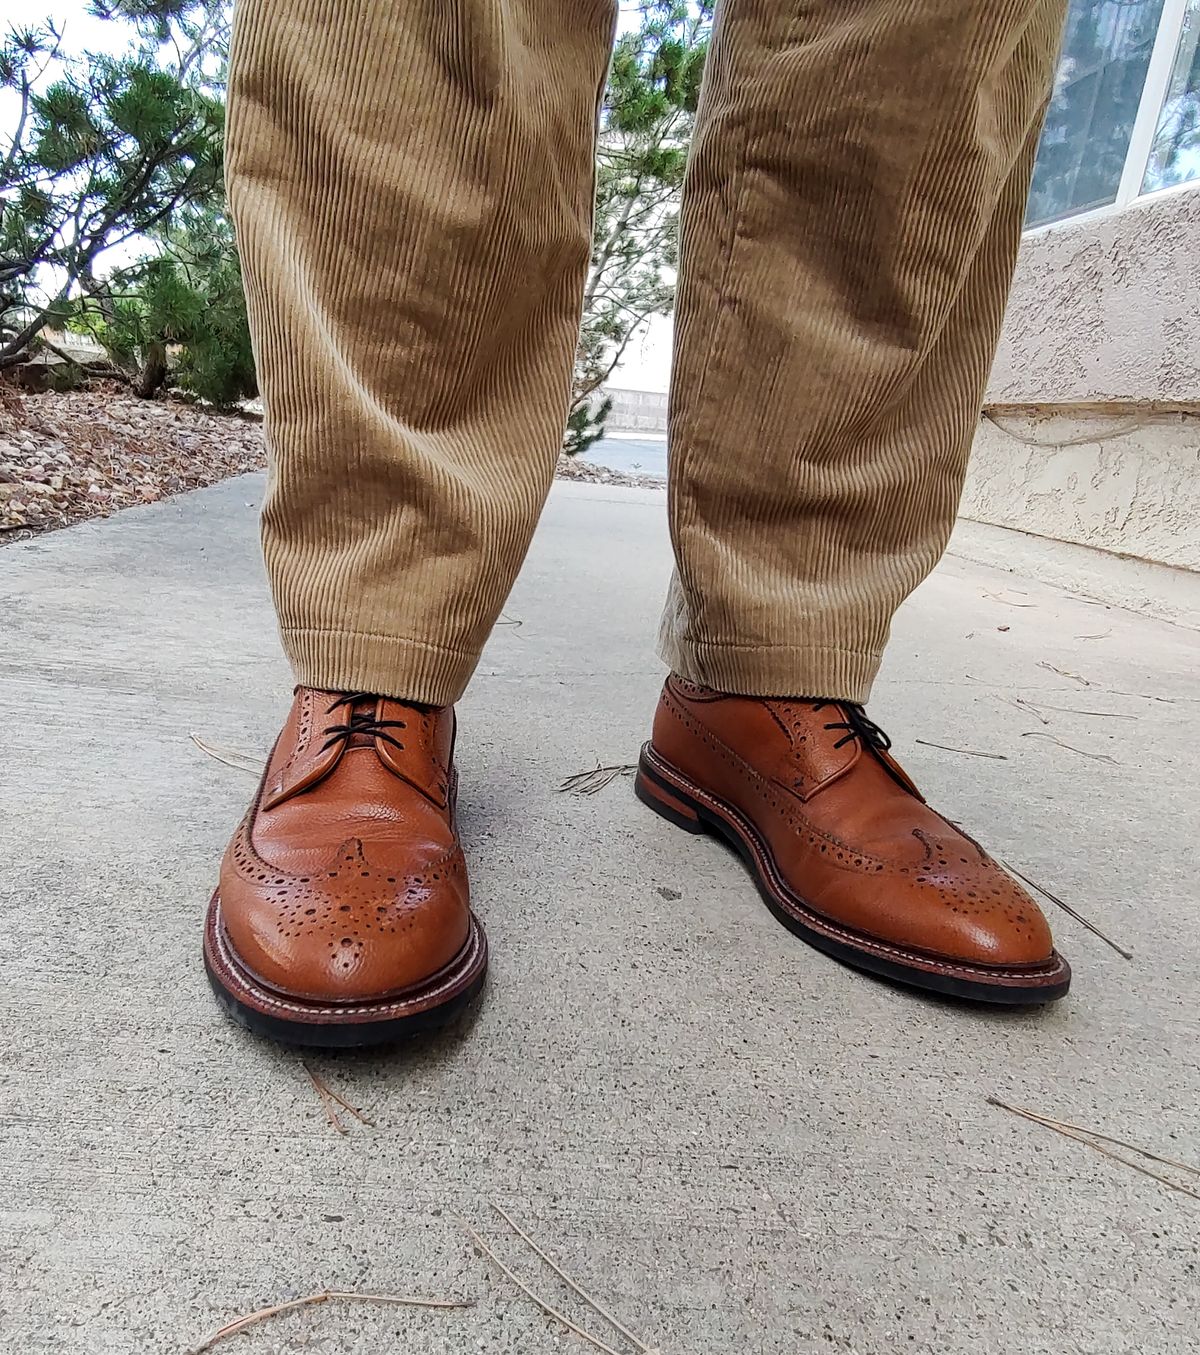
(570,1283)
(329,1097)
(970,752)
(243,762)
(594,780)
(324,1296)
(529,1294)
(1096,1140)
(1066,907)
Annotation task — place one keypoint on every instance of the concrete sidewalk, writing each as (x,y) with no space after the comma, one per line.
(741,1147)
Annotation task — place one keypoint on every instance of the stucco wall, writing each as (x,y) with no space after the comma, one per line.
(1091,432)
(1106,310)
(1130,485)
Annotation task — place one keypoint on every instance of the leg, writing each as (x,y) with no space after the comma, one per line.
(412,187)
(851,219)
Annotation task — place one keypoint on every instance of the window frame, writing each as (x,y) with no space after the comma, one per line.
(1141,138)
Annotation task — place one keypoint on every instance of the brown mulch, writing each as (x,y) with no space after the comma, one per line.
(572,468)
(85,454)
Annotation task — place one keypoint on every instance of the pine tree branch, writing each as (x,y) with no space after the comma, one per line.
(10,159)
(11,352)
(594,383)
(610,245)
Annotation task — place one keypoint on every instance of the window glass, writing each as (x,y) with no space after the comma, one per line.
(1175,151)
(1097,89)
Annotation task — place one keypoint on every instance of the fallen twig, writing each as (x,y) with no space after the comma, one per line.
(525,1289)
(241,1323)
(594,780)
(1070,912)
(1096,757)
(970,752)
(567,1280)
(1088,1136)
(243,762)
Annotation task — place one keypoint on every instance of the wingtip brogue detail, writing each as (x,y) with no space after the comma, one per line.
(357,928)
(844,849)
(343,893)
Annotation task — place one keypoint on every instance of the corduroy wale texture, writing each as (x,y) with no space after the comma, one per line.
(412,188)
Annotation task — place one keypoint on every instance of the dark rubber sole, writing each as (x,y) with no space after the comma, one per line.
(287,1020)
(688,806)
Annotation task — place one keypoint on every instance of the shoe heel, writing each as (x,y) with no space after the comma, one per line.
(666,802)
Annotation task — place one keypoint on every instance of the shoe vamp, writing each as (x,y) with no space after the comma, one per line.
(360,803)
(873,816)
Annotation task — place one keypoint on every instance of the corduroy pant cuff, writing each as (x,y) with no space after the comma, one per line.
(778,671)
(386,665)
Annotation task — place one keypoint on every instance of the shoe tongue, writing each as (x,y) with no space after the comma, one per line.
(367,706)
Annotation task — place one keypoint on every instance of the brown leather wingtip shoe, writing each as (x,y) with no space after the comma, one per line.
(844,849)
(342,915)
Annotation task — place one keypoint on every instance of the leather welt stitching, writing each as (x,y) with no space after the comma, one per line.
(267,999)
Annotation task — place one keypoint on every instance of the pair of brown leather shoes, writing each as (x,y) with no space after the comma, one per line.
(342,914)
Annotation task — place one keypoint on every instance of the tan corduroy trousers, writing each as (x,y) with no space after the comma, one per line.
(412,187)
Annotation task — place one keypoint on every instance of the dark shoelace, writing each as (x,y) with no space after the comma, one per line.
(856,724)
(360,721)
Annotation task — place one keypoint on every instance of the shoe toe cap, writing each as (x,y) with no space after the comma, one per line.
(355,933)
(981,916)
